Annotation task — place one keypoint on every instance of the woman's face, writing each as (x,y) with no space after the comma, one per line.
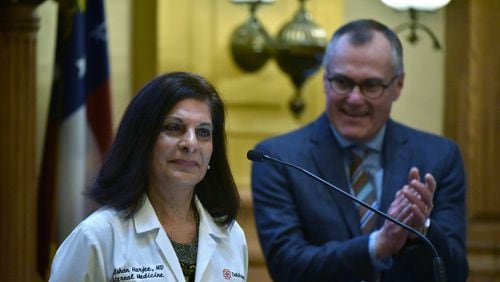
(184,146)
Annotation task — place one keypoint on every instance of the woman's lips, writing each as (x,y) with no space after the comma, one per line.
(185,163)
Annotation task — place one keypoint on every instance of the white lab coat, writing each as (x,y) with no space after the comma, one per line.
(107,247)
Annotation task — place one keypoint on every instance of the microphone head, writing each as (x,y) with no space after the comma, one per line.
(255,155)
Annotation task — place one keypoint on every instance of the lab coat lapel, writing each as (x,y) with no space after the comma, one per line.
(145,220)
(168,252)
(209,234)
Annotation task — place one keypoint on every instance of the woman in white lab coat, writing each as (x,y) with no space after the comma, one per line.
(169,201)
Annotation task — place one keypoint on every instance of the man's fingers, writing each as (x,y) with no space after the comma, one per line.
(430,182)
(413,174)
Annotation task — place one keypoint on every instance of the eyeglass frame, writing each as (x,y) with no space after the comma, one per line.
(361,85)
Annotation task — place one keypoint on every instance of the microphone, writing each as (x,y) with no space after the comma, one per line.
(439,272)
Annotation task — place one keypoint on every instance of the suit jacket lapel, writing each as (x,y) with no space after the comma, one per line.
(395,161)
(327,157)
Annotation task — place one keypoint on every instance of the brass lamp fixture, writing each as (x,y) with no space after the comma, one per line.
(250,42)
(298,48)
(413,7)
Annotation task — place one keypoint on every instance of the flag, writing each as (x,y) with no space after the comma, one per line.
(79,128)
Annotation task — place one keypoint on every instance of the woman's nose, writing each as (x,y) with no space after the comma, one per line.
(189,141)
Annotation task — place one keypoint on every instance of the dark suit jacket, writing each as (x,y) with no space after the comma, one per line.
(309,232)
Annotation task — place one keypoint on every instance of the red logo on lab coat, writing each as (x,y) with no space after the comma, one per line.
(226,273)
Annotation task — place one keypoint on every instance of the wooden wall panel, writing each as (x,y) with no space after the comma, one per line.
(144,43)
(473,119)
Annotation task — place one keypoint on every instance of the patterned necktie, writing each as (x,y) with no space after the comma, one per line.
(363,189)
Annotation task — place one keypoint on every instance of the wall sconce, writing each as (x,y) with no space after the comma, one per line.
(298,47)
(413,6)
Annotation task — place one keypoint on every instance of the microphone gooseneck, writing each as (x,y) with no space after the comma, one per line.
(439,272)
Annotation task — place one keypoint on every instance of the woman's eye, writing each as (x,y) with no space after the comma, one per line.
(204,132)
(173,128)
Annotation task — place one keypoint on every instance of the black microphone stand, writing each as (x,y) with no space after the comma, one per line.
(439,272)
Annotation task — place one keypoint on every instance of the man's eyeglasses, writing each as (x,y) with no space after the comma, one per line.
(370,88)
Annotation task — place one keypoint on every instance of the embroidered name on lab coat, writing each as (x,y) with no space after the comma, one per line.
(138,273)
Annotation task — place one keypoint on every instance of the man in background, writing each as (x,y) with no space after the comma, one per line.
(310,232)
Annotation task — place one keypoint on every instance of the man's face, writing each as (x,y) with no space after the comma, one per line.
(355,116)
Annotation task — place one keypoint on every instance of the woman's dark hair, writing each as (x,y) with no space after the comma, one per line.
(122,180)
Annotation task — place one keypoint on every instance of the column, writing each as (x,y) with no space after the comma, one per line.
(18,189)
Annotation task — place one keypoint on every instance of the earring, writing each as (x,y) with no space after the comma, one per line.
(208,167)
